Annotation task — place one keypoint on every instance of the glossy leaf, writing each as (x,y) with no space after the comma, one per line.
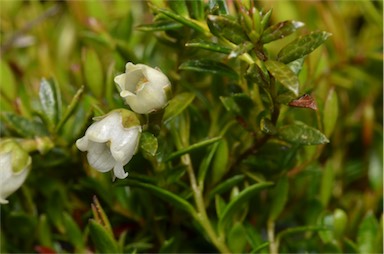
(162,25)
(226,27)
(279,198)
(226,185)
(300,133)
(164,194)
(267,126)
(209,66)
(208,46)
(50,99)
(193,147)
(218,6)
(181,19)
(302,46)
(280,30)
(256,75)
(177,105)
(240,199)
(102,239)
(241,49)
(148,143)
(284,75)
(23,126)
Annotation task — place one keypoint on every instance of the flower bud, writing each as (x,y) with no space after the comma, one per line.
(15,164)
(144,89)
(111,141)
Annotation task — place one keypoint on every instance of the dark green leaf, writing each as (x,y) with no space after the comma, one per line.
(183,20)
(23,126)
(368,236)
(241,49)
(220,161)
(302,46)
(177,104)
(226,185)
(197,9)
(209,66)
(148,143)
(50,100)
(256,75)
(204,165)
(102,239)
(227,27)
(280,197)
(280,30)
(295,230)
(284,75)
(44,231)
(267,126)
(219,205)
(162,25)
(240,199)
(238,104)
(218,6)
(193,147)
(300,133)
(208,46)
(166,195)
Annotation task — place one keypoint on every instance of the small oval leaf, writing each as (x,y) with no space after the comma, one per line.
(302,46)
(284,75)
(300,133)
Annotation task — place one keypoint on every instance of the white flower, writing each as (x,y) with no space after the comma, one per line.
(15,164)
(112,141)
(144,89)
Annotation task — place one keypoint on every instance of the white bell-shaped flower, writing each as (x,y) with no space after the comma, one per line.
(111,141)
(144,89)
(15,164)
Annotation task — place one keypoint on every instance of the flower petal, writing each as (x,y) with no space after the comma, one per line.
(118,171)
(124,144)
(100,157)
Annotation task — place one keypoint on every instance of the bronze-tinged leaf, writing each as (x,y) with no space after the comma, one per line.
(305,101)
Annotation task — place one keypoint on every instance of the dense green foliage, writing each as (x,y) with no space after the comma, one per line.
(271,143)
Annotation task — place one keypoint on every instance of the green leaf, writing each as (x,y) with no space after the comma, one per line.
(280,197)
(327,183)
(238,104)
(193,147)
(220,161)
(267,126)
(208,46)
(241,49)
(256,75)
(161,25)
(50,99)
(226,27)
(70,108)
(237,239)
(44,231)
(209,66)
(183,20)
(368,236)
(300,133)
(148,143)
(219,205)
(177,105)
(295,230)
(180,7)
(280,30)
(302,46)
(204,165)
(166,195)
(7,80)
(197,9)
(23,126)
(93,72)
(226,185)
(330,112)
(240,199)
(102,239)
(218,6)
(284,75)
(73,232)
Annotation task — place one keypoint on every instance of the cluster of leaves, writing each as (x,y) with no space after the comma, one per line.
(266,142)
